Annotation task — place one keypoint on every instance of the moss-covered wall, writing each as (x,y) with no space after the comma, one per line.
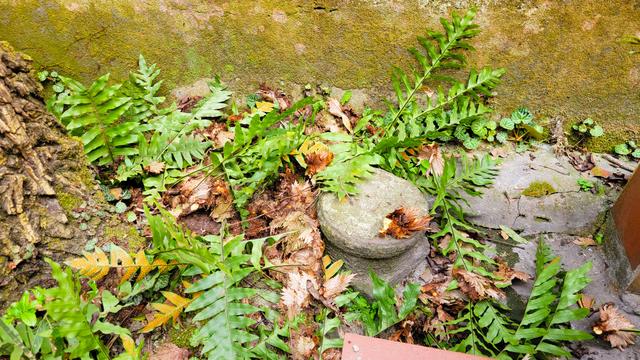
(563,57)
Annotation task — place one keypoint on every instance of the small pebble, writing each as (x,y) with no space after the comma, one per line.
(356,348)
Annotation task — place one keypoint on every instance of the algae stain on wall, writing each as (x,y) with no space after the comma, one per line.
(563,58)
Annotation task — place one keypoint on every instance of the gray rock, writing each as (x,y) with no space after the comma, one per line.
(568,210)
(198,88)
(351,228)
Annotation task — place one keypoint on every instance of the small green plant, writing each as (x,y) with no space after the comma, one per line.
(588,127)
(629,148)
(384,311)
(520,128)
(585,185)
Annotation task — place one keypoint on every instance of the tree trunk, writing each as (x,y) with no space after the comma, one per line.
(46,189)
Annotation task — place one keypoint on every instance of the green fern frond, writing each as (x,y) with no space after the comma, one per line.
(66,308)
(143,88)
(440,51)
(94,114)
(342,177)
(210,106)
(226,333)
(547,316)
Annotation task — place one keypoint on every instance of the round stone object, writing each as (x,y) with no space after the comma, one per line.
(352,230)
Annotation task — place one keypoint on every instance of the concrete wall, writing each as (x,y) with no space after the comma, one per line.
(563,57)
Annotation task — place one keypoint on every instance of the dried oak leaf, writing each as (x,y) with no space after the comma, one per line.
(612,325)
(432,153)
(401,223)
(317,161)
(475,286)
(154,167)
(508,274)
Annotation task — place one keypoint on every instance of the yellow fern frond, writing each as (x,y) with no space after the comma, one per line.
(167,311)
(96,265)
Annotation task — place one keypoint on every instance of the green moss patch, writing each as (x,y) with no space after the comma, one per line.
(539,189)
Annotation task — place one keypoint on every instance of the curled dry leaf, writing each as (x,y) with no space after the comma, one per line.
(612,326)
(318,161)
(275,96)
(218,134)
(508,274)
(586,301)
(402,222)
(432,153)
(335,109)
(154,167)
(477,287)
(584,241)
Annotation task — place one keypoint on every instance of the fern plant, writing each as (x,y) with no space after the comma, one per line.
(461,104)
(143,88)
(70,327)
(384,311)
(258,152)
(94,114)
(447,188)
(546,323)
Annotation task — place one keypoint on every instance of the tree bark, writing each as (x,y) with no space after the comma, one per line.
(39,165)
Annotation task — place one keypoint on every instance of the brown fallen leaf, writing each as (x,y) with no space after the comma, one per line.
(584,241)
(586,301)
(154,167)
(116,193)
(612,326)
(508,274)
(317,161)
(187,103)
(432,153)
(336,285)
(335,109)
(475,286)
(600,172)
(401,223)
(295,296)
(169,351)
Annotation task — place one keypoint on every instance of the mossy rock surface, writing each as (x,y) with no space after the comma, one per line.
(49,205)
(562,58)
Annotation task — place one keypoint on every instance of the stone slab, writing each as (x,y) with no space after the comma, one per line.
(567,210)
